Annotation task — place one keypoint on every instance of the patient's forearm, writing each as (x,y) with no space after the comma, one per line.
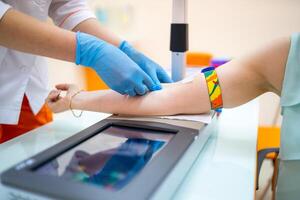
(189,98)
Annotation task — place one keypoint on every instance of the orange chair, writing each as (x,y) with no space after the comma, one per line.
(268,142)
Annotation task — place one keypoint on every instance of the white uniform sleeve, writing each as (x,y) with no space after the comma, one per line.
(3,8)
(69,13)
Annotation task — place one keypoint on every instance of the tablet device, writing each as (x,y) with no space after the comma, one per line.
(113,159)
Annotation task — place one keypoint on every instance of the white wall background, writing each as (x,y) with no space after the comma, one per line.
(223,27)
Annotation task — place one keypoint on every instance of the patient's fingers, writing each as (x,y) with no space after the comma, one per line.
(56,102)
(53,96)
(70,88)
(63,86)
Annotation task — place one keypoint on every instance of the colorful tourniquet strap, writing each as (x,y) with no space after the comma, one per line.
(214,89)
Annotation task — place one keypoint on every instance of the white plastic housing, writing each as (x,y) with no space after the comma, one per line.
(178,62)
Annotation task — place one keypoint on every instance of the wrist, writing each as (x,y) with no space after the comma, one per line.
(76,101)
(77,50)
(88,49)
(118,42)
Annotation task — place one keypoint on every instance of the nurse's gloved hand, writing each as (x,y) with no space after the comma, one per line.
(156,72)
(115,68)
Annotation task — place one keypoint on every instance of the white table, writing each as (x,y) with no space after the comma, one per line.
(225,169)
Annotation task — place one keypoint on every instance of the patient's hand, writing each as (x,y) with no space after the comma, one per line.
(58,103)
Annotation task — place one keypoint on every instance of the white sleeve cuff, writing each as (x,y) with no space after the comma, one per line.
(3,8)
(73,20)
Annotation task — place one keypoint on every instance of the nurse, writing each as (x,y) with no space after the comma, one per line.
(274,68)
(25,37)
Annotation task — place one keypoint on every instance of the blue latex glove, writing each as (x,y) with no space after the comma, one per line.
(115,68)
(156,72)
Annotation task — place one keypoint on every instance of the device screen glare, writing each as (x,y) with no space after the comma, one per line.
(110,159)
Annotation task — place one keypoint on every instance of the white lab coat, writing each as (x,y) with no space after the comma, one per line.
(22,73)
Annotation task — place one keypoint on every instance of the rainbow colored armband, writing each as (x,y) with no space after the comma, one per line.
(214,88)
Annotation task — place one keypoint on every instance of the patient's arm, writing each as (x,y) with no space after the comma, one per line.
(172,99)
(241,80)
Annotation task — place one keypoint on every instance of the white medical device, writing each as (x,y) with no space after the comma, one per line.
(179,39)
(116,158)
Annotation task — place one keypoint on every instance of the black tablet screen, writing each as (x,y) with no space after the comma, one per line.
(110,159)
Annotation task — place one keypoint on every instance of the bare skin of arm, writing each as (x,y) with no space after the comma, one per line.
(241,80)
(93,27)
(24,33)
